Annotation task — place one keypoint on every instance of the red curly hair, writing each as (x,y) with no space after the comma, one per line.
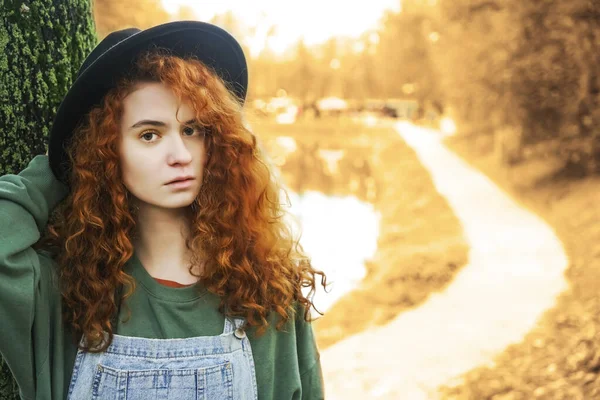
(251,259)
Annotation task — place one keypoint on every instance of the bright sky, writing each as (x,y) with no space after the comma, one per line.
(315,20)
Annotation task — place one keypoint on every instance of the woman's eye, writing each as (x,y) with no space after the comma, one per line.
(193,129)
(188,131)
(146,134)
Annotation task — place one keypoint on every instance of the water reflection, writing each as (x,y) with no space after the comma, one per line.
(339,234)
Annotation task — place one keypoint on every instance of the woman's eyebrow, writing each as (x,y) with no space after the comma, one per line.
(147,122)
(157,123)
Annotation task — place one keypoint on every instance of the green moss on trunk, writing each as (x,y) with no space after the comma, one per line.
(42,45)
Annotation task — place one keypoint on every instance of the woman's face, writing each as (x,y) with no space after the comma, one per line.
(156,148)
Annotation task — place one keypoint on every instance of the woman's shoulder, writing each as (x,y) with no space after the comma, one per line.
(296,316)
(46,254)
(48,267)
(47,257)
(303,316)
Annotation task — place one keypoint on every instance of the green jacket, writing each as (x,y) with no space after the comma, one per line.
(38,347)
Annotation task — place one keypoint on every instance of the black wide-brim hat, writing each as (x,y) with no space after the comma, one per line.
(114,56)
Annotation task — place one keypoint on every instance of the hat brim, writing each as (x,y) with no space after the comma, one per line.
(208,43)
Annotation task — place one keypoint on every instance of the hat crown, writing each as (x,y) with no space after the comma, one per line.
(109,41)
(116,53)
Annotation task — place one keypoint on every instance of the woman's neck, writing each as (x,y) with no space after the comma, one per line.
(160,242)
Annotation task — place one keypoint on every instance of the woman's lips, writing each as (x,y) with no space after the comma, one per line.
(181,184)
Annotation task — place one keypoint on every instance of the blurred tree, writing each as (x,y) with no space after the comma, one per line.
(302,74)
(111,15)
(264,71)
(361,76)
(404,55)
(42,45)
(230,23)
(185,13)
(529,68)
(239,30)
(472,59)
(328,78)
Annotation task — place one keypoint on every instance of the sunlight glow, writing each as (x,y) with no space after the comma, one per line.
(448,126)
(314,20)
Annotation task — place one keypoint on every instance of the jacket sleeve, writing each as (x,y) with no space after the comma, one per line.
(26,201)
(309,358)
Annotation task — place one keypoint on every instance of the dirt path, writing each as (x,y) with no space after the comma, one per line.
(514,274)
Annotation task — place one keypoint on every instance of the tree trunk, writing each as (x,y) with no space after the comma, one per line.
(42,45)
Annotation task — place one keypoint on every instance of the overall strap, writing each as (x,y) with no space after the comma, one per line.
(233,323)
(115,317)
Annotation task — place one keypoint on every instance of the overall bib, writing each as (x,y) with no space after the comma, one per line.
(203,367)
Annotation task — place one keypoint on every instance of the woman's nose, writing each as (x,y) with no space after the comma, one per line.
(178,151)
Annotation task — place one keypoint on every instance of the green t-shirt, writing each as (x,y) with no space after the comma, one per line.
(38,347)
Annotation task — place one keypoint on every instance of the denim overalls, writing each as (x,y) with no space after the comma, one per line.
(204,367)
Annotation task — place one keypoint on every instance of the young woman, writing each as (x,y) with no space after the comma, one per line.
(146,256)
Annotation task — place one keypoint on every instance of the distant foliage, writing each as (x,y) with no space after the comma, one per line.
(532,65)
(112,15)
